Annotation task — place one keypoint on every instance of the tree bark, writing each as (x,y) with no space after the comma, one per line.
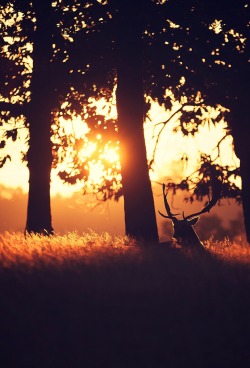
(240,131)
(140,219)
(245,194)
(39,120)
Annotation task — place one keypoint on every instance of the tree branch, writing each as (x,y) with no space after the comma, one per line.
(16,109)
(167,121)
(217,147)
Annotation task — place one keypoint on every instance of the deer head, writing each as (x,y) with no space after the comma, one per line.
(184,232)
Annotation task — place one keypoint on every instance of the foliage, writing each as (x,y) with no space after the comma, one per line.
(206,63)
(15,74)
(71,88)
(200,54)
(199,184)
(195,56)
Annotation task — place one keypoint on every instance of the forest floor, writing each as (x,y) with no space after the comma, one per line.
(98,301)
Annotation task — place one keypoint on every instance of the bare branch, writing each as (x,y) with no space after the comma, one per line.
(164,123)
(216,187)
(217,147)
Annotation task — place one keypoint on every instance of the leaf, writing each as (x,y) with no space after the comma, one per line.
(168,103)
(2,144)
(3,161)
(11,134)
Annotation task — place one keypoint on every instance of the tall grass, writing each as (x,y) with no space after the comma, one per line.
(234,251)
(38,251)
(99,301)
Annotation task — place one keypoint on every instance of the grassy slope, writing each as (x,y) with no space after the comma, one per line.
(94,301)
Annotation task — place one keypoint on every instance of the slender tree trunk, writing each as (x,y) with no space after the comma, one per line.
(240,130)
(39,119)
(245,177)
(140,219)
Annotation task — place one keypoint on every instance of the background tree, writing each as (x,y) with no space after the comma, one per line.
(131,113)
(209,55)
(35,84)
(42,88)
(146,54)
(167,43)
(195,53)
(119,57)
(14,76)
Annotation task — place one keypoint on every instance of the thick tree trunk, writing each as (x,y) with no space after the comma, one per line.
(240,131)
(39,119)
(245,194)
(140,219)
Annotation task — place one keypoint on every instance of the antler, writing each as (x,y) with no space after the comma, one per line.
(216,185)
(170,214)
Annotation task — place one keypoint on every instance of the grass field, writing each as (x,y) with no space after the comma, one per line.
(96,301)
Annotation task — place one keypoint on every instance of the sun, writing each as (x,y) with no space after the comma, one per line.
(87,158)
(111,155)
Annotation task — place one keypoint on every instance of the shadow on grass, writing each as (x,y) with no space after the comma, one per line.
(152,308)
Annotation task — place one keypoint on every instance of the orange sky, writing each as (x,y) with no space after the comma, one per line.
(74,214)
(73,211)
(171,148)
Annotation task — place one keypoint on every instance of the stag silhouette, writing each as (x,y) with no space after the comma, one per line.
(184,232)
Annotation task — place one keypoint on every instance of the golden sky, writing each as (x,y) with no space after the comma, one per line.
(73,211)
(171,147)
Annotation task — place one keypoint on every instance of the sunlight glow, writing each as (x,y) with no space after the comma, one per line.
(172,147)
(111,155)
(97,172)
(75,126)
(87,150)
(167,164)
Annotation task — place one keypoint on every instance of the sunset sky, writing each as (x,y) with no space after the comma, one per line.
(73,211)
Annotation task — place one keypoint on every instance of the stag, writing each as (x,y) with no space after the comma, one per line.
(184,232)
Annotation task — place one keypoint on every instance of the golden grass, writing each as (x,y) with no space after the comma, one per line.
(38,251)
(229,250)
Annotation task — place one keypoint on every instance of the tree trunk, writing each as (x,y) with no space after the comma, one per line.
(245,194)
(39,119)
(140,219)
(240,131)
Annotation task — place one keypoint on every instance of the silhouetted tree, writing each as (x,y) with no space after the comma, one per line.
(117,55)
(34,46)
(36,97)
(138,199)
(39,155)
(14,77)
(196,53)
(211,47)
(173,44)
(179,54)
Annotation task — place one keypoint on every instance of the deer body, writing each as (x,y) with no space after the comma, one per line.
(184,232)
